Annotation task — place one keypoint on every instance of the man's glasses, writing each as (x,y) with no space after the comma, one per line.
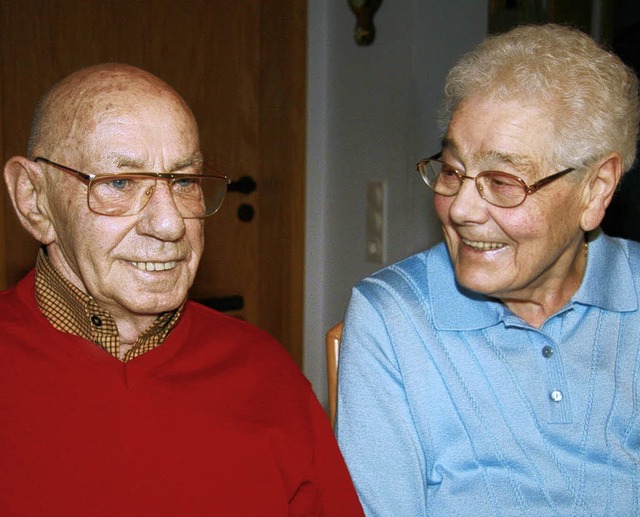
(121,194)
(498,188)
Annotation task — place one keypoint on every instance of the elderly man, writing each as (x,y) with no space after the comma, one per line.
(498,372)
(118,396)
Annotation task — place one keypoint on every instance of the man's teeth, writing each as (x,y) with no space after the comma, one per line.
(484,246)
(155,266)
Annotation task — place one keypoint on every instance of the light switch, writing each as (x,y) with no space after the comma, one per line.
(375,221)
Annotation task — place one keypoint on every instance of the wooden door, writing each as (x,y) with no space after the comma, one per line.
(240,64)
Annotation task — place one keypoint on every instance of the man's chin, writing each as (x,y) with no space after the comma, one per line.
(153,306)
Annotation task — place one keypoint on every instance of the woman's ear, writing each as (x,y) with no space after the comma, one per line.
(599,190)
(27,189)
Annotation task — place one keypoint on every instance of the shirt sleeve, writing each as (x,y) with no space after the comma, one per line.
(374,423)
(327,489)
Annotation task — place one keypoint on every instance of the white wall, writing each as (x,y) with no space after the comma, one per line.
(371,115)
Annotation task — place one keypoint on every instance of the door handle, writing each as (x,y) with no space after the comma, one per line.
(245,185)
(224,303)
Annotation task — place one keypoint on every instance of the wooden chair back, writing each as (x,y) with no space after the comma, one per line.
(333,337)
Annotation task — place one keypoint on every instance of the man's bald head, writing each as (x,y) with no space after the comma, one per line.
(75,104)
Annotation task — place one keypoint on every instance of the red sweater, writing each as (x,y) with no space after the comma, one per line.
(216,421)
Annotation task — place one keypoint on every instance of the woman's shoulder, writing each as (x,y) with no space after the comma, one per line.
(413,268)
(611,248)
(410,278)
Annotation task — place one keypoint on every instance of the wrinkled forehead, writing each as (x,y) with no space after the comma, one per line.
(113,106)
(89,109)
(160,109)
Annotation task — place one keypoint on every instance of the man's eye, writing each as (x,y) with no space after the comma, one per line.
(186,182)
(119,183)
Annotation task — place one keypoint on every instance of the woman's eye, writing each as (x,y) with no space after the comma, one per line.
(498,182)
(448,173)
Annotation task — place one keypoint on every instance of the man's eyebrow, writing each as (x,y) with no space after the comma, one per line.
(123,161)
(185,163)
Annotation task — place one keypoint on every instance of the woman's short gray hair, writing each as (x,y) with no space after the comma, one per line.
(591,95)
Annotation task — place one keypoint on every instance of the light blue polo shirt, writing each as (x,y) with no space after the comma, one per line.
(449,404)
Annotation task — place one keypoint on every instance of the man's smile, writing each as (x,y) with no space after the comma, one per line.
(154,266)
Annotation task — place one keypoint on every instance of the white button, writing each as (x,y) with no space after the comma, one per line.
(556,395)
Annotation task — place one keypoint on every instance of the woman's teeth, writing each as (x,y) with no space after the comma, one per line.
(483,246)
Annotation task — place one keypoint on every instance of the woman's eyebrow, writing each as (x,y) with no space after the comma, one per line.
(518,161)
(491,157)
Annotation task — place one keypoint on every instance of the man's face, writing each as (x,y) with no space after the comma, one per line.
(508,253)
(142,264)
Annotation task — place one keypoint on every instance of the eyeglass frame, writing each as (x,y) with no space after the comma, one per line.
(528,189)
(88,178)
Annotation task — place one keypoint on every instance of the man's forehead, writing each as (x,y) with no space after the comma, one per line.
(114,108)
(88,112)
(90,94)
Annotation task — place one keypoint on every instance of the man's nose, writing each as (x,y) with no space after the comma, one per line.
(161,217)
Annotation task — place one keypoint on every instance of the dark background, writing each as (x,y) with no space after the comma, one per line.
(623,216)
(617,28)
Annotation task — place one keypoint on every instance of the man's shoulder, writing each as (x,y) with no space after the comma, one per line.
(223,326)
(217,334)
(18,298)
(234,356)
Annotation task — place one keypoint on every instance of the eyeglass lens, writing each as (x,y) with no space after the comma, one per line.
(126,195)
(498,188)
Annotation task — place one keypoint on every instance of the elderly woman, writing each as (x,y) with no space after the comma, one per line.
(498,373)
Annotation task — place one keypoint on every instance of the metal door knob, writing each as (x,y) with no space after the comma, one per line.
(246,212)
(245,185)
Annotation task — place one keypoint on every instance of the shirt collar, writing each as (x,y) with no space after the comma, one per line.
(608,281)
(608,284)
(70,310)
(453,306)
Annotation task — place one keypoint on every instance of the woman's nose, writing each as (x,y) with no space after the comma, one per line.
(467,204)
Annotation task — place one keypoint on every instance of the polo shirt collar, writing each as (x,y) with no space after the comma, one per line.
(454,307)
(608,281)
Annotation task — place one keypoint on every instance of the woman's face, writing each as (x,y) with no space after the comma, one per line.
(509,253)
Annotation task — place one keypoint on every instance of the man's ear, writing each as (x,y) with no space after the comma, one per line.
(28,193)
(599,190)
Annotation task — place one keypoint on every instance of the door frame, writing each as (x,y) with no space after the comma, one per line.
(283,77)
